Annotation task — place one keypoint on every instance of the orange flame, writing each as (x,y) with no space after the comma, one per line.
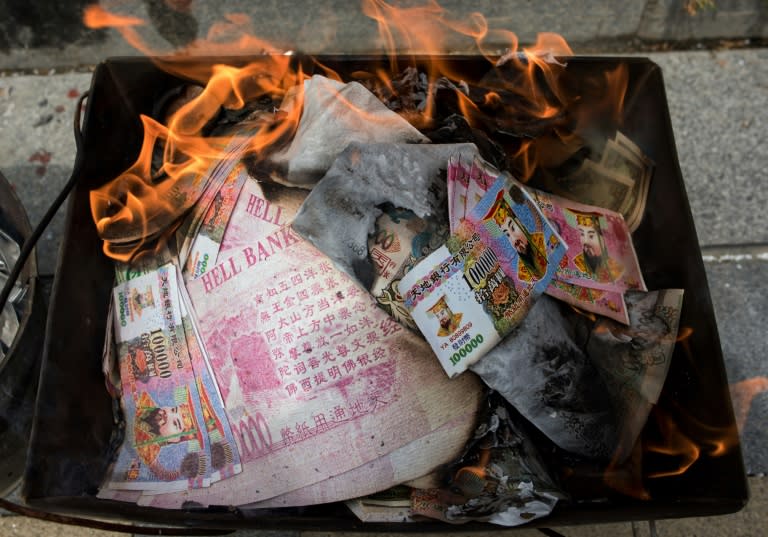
(94,16)
(142,202)
(684,333)
(743,393)
(686,446)
(681,440)
(526,90)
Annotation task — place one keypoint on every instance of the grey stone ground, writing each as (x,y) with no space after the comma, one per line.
(43,35)
(718,101)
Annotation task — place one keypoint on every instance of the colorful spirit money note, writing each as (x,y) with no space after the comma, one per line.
(529,248)
(481,176)
(225,459)
(109,356)
(450,298)
(471,177)
(210,206)
(458,182)
(600,252)
(205,246)
(316,379)
(166,445)
(606,303)
(470,293)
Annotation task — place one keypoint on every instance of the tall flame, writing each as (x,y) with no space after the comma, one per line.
(526,90)
(144,201)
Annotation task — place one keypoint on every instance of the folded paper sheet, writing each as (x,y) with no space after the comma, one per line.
(333,116)
(341,211)
(317,380)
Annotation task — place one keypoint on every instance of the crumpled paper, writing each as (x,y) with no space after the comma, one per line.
(542,370)
(501,478)
(341,211)
(588,386)
(9,318)
(634,360)
(334,115)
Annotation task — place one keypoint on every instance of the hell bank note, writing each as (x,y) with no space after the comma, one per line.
(316,379)
(166,444)
(473,291)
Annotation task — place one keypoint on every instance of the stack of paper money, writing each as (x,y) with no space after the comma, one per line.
(473,291)
(599,264)
(261,374)
(618,182)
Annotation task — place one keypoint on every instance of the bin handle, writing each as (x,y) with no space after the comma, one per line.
(30,243)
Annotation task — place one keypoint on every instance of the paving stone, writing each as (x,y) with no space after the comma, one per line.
(717,101)
(702,19)
(738,294)
(39,35)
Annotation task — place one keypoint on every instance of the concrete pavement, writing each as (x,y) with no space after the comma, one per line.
(42,35)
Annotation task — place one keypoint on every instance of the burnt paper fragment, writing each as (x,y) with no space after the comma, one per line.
(501,477)
(341,211)
(634,360)
(333,115)
(541,369)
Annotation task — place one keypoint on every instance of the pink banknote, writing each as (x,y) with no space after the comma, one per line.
(316,379)
(600,252)
(458,182)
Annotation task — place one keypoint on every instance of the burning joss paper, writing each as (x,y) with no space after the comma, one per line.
(333,116)
(205,241)
(501,478)
(317,381)
(469,294)
(166,445)
(619,182)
